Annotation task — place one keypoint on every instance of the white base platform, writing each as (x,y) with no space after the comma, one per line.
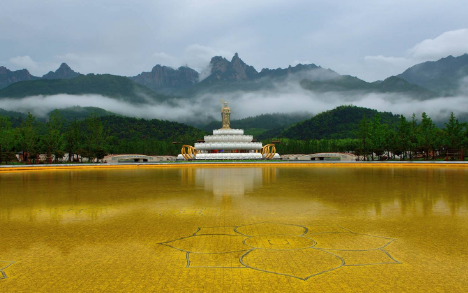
(229,156)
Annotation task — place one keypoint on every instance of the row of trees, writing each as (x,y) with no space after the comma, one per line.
(376,140)
(410,138)
(295,146)
(95,137)
(90,139)
(87,138)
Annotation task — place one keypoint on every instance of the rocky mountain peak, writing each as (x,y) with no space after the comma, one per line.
(234,70)
(63,72)
(235,58)
(219,65)
(64,66)
(8,77)
(167,77)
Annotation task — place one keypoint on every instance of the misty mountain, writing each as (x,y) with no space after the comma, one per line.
(63,72)
(256,125)
(235,75)
(442,76)
(8,77)
(113,86)
(167,80)
(235,70)
(225,77)
(341,122)
(231,76)
(346,83)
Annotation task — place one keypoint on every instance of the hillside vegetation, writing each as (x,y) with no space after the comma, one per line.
(119,87)
(443,76)
(341,122)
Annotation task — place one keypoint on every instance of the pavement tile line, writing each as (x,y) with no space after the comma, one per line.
(3,275)
(300,261)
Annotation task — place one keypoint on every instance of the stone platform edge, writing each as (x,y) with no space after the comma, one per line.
(425,164)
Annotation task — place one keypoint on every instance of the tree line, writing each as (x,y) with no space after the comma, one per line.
(376,140)
(94,137)
(90,139)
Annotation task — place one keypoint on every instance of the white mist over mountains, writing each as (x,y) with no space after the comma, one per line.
(284,97)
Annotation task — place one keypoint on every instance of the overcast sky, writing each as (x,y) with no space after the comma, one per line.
(366,38)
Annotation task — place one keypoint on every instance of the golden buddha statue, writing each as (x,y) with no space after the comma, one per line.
(226,115)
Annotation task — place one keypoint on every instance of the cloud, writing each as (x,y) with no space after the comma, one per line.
(121,36)
(388,60)
(35,68)
(195,56)
(198,56)
(89,63)
(24,62)
(166,59)
(449,43)
(463,88)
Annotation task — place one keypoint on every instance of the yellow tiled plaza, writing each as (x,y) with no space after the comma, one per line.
(235,229)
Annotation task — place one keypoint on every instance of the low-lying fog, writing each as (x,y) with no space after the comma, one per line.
(286,98)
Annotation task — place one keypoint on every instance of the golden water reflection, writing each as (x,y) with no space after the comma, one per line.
(99,230)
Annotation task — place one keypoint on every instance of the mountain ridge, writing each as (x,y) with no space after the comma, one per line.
(8,77)
(167,79)
(114,86)
(442,76)
(63,72)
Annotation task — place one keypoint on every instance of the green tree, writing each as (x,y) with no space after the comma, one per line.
(404,135)
(414,136)
(6,139)
(53,138)
(378,136)
(427,135)
(96,137)
(29,138)
(363,136)
(453,135)
(73,139)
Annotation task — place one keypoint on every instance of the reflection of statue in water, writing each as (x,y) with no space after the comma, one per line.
(230,181)
(225,115)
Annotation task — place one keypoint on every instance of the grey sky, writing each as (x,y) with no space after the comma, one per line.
(368,39)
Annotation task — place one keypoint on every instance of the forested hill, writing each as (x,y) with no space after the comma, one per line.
(119,126)
(80,113)
(140,129)
(118,87)
(68,114)
(341,122)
